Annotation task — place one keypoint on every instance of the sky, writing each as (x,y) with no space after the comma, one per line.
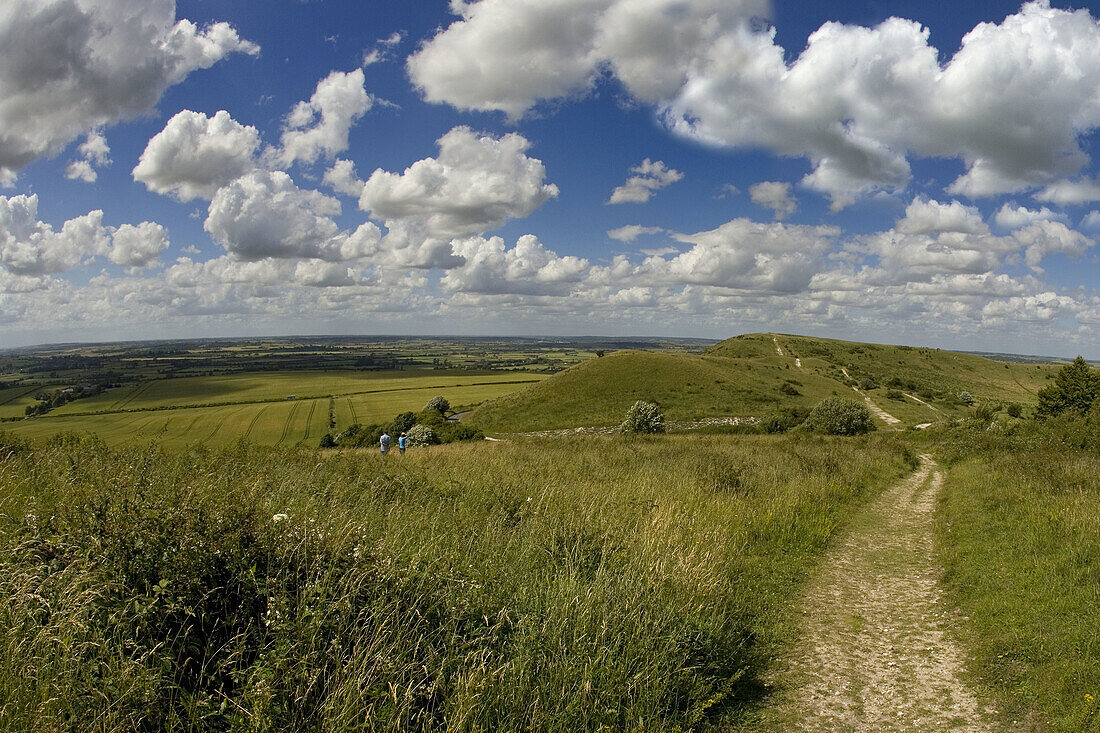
(876,170)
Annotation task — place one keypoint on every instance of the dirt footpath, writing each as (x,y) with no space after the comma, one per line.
(874,652)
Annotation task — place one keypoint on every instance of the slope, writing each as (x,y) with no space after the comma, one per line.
(755,374)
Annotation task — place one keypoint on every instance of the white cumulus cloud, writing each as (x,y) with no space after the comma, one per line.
(649,177)
(774,195)
(70,66)
(476,183)
(94,153)
(195,155)
(32,248)
(527,268)
(1013,102)
(321,125)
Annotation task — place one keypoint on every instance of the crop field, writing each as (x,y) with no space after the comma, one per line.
(282,422)
(15,400)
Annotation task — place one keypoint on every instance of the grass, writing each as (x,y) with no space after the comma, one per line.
(630,584)
(1020,530)
(939,371)
(747,376)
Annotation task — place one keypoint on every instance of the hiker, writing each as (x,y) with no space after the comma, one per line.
(384,442)
(401,440)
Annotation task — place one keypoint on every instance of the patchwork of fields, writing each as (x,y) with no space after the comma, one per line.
(282,408)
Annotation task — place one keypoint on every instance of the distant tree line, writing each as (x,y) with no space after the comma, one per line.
(430,426)
(47,401)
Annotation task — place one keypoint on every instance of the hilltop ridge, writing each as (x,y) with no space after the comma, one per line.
(754,374)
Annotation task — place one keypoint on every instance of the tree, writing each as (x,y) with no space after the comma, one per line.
(643,417)
(836,416)
(438,404)
(1074,390)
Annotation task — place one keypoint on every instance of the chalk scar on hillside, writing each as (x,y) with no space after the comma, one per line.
(880,413)
(875,651)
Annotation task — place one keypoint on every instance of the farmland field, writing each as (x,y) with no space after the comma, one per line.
(147,412)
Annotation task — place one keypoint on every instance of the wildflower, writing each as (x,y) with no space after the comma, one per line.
(279,518)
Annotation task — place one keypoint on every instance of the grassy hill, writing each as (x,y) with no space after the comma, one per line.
(755,374)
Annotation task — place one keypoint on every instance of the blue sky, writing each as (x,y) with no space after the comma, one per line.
(887,171)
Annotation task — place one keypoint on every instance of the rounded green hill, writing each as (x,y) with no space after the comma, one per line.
(754,374)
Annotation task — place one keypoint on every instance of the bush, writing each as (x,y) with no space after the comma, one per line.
(327,441)
(1014,409)
(789,389)
(868,383)
(402,423)
(985,412)
(437,404)
(836,416)
(784,420)
(893,394)
(643,417)
(966,398)
(419,435)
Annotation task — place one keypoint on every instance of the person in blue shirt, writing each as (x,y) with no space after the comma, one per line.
(401,440)
(384,442)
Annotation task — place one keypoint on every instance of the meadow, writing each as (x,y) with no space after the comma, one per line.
(758,374)
(1020,534)
(536,586)
(176,553)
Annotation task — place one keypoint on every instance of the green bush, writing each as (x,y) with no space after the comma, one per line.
(893,394)
(643,417)
(789,389)
(419,435)
(868,383)
(402,423)
(836,416)
(784,420)
(966,398)
(437,404)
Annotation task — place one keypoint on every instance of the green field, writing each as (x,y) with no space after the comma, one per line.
(747,377)
(15,400)
(146,412)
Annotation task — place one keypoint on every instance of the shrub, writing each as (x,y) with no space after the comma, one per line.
(835,416)
(868,383)
(437,404)
(643,417)
(401,423)
(1014,409)
(784,420)
(419,435)
(984,412)
(966,398)
(327,441)
(893,394)
(789,389)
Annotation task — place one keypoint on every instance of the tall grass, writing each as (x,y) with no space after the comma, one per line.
(1021,534)
(626,584)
